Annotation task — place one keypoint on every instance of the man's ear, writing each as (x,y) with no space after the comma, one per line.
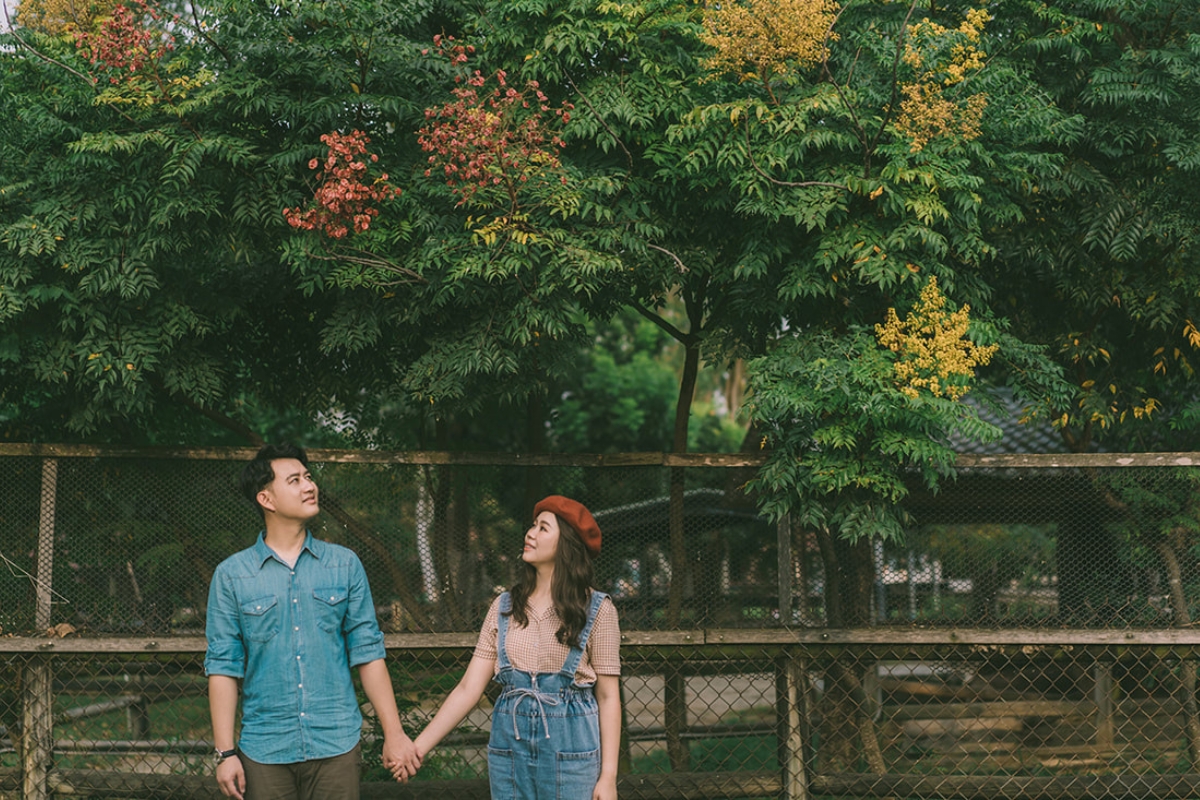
(265,500)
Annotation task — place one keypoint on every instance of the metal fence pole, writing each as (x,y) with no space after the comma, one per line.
(37,721)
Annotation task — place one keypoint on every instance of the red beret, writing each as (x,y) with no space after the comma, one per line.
(576,515)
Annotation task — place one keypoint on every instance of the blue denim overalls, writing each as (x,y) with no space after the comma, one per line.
(545,742)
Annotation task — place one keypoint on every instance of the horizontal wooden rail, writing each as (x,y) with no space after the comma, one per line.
(680,786)
(1004,787)
(432,457)
(1029,641)
(648,459)
(674,786)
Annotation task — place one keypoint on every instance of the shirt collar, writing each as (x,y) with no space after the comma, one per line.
(262,553)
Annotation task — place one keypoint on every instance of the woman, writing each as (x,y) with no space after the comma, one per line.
(552,643)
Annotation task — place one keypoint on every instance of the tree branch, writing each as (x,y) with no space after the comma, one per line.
(366,258)
(671,330)
(678,261)
(776,181)
(895,74)
(601,120)
(228,423)
(13,30)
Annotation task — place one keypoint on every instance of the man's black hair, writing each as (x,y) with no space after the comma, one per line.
(258,473)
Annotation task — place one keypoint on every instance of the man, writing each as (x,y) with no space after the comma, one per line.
(288,618)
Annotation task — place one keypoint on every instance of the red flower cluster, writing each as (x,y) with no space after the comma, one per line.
(126,42)
(491,138)
(342,201)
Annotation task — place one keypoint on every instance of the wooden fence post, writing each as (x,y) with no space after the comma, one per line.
(1103,696)
(37,716)
(791,699)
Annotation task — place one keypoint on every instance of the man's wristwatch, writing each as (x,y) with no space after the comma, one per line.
(224,754)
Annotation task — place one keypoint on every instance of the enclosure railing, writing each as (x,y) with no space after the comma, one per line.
(1031,638)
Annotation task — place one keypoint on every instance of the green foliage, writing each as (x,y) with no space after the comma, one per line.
(623,394)
(151,290)
(842,436)
(1098,271)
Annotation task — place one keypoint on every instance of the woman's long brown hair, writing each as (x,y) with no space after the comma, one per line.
(570,588)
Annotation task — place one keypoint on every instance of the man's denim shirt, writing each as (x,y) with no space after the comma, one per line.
(292,635)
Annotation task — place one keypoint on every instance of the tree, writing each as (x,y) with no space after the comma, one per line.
(1098,269)
(145,168)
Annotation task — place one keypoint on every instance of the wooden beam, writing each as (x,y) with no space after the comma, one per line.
(1012,787)
(690,643)
(677,786)
(331,456)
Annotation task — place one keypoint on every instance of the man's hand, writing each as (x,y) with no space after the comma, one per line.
(231,777)
(400,757)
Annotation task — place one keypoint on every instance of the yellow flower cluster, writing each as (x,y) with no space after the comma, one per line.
(63,17)
(934,351)
(759,39)
(926,113)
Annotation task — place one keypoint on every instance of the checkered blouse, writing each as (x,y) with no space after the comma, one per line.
(536,648)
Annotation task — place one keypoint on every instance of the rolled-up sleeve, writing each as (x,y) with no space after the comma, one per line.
(364,640)
(226,652)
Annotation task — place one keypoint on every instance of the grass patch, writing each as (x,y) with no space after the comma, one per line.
(722,754)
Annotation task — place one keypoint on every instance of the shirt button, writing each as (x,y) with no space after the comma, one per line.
(295,600)
(299,685)
(296,628)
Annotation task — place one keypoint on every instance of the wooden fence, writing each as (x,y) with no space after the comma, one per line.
(791,657)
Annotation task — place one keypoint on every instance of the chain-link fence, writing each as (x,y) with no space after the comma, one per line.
(1029,637)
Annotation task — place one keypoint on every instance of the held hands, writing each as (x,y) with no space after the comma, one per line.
(231,777)
(400,756)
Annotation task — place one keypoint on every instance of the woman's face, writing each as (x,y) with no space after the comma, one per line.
(541,540)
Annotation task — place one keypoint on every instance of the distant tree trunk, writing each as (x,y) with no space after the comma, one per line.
(369,539)
(985,583)
(1090,573)
(683,410)
(449,536)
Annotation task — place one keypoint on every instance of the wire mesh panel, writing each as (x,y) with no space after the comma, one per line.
(1004,720)
(728,688)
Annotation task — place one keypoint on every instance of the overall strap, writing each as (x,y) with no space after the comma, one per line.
(571,665)
(502,619)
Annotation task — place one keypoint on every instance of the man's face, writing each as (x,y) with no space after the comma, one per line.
(292,495)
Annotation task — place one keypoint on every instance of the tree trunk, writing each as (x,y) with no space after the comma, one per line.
(849,574)
(683,410)
(364,535)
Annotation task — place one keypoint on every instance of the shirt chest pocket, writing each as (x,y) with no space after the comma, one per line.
(260,619)
(331,607)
